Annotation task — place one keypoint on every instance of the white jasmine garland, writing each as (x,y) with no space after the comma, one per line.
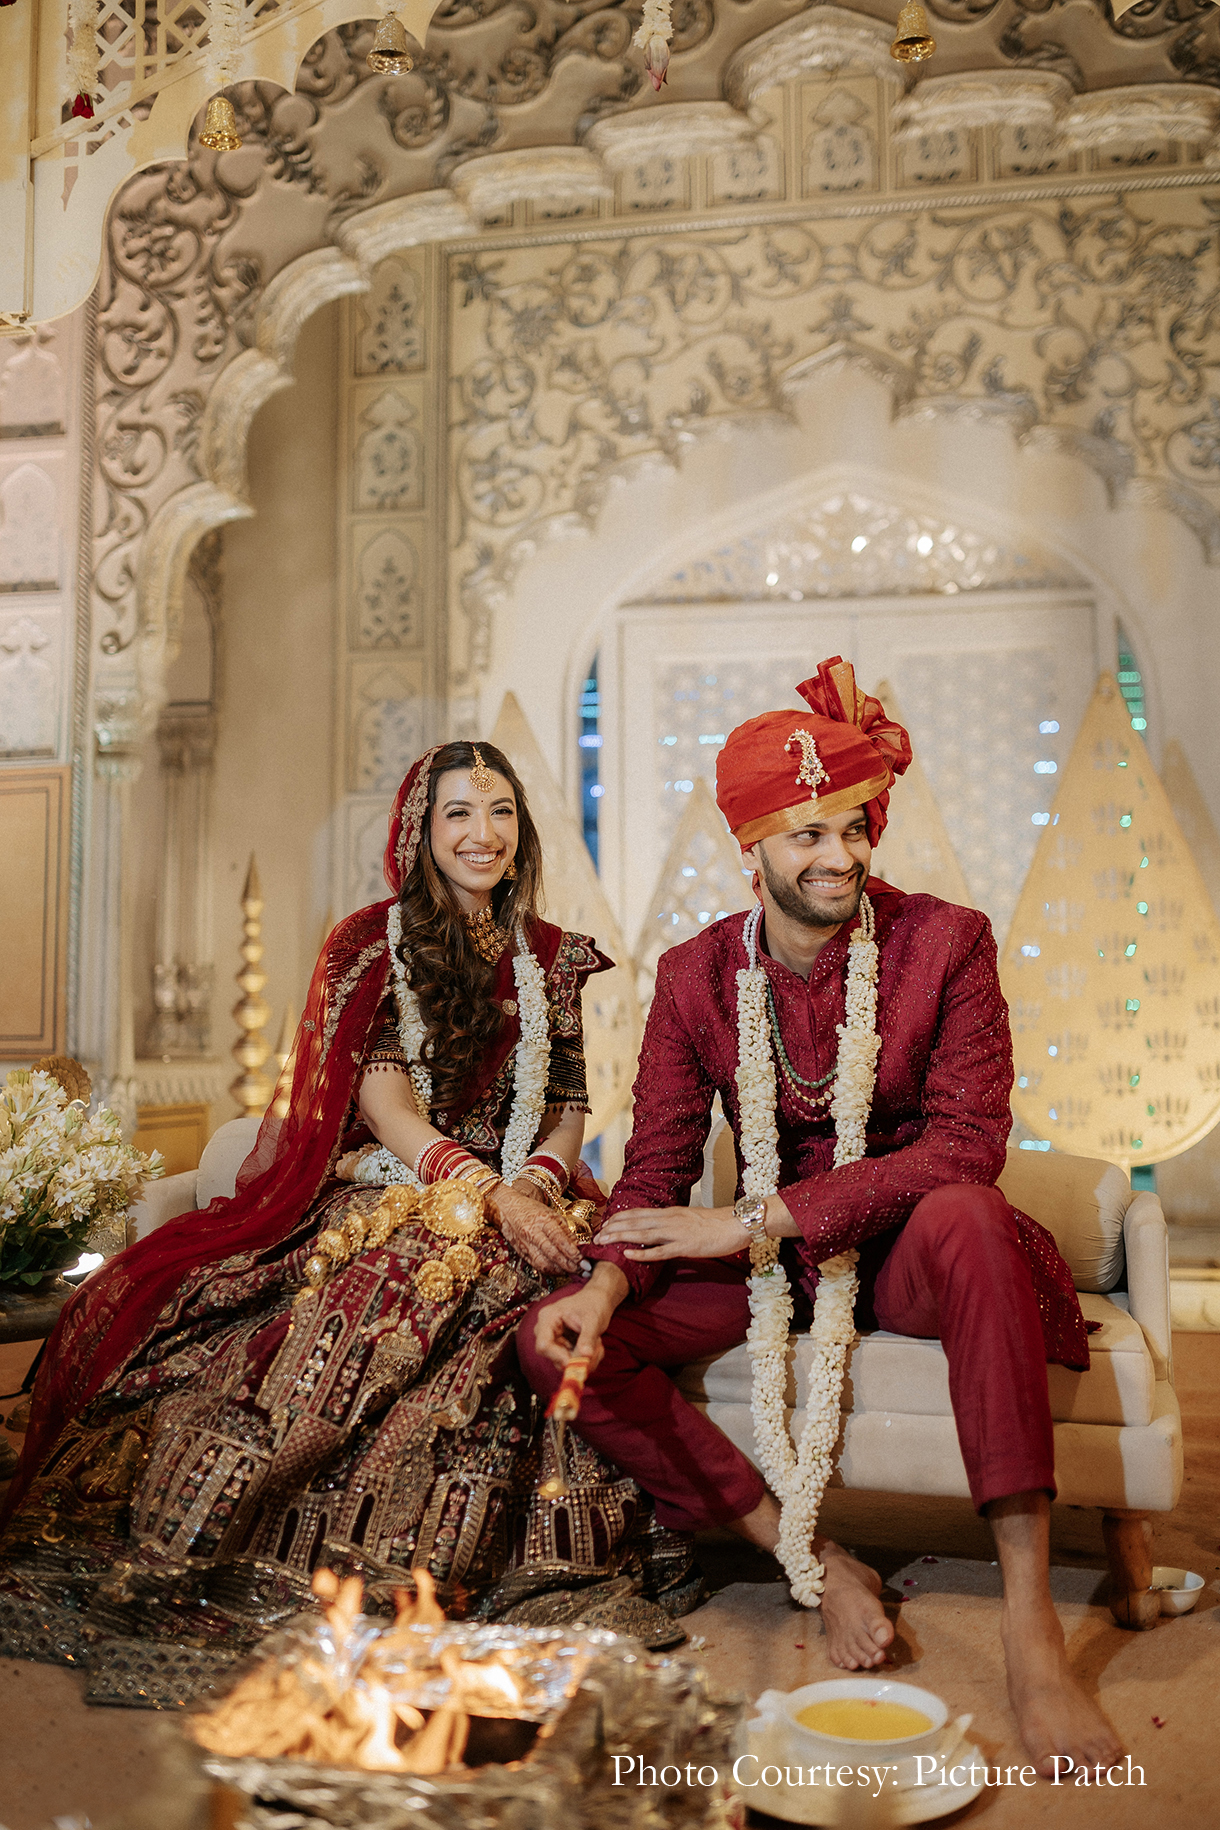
(224,40)
(530,1068)
(798,1476)
(656,23)
(82,50)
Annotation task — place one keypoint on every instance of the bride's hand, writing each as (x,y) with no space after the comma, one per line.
(535,1231)
(348,1167)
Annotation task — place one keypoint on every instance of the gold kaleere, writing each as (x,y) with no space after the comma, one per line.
(913,40)
(220,126)
(391,53)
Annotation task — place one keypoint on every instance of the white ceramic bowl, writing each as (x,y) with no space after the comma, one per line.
(1179,1589)
(811,1744)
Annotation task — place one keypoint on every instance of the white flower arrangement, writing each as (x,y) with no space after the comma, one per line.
(798,1476)
(530,1070)
(67,1178)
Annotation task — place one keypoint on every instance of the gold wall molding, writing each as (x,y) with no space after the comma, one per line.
(34,843)
(1112,963)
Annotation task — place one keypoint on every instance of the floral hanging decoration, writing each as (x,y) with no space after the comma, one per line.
(653,36)
(82,56)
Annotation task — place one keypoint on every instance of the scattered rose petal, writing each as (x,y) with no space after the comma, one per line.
(1158,1721)
(908,1582)
(929,1559)
(799,1644)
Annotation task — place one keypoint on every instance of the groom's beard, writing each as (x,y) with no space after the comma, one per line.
(815,910)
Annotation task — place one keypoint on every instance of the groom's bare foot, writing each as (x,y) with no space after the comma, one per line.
(858,1634)
(1054,1714)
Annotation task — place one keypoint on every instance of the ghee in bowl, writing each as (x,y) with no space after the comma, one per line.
(900,1718)
(863,1719)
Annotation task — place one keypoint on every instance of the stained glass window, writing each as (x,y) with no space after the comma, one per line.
(1131,683)
(590,743)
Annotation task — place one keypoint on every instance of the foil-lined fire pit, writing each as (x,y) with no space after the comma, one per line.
(347,1723)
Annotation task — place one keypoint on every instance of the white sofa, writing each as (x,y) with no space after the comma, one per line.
(1118,1428)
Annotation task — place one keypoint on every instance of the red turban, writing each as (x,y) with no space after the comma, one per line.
(785,770)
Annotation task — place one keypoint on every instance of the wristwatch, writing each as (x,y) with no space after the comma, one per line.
(751,1210)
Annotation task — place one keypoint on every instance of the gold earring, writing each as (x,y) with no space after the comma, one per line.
(510,871)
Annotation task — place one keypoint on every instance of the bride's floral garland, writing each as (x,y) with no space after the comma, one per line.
(799,1476)
(529,1070)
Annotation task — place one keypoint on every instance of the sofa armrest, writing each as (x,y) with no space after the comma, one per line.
(162,1200)
(1146,1241)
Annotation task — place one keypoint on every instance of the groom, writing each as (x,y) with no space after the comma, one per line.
(942,1254)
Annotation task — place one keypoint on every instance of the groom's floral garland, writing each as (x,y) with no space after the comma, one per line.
(529,1070)
(799,1476)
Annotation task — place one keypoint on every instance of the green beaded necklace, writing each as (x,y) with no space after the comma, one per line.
(790,1073)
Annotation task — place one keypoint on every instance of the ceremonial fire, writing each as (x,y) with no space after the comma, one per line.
(353,1692)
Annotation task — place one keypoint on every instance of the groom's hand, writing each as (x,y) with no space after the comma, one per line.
(572,1326)
(651,1234)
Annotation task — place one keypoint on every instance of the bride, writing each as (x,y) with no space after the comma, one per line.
(321,1369)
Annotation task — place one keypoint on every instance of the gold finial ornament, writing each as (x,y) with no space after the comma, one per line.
(913,40)
(220,126)
(390,55)
(481,778)
(252,1090)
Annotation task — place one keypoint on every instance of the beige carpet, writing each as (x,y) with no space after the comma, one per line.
(60,1759)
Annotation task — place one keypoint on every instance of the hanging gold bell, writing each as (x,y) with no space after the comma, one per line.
(390,55)
(914,40)
(220,126)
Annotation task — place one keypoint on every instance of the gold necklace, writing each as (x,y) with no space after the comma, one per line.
(488,940)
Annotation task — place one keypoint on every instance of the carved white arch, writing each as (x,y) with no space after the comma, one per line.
(483,595)
(304,287)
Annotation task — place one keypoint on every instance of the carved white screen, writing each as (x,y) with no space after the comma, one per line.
(992,691)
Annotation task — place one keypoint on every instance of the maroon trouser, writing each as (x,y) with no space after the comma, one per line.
(956,1272)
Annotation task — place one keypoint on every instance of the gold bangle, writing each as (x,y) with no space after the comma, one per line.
(549,1190)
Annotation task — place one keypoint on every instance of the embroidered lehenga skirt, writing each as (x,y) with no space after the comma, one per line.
(368,1426)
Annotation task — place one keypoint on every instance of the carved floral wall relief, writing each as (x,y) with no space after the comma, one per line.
(1091,321)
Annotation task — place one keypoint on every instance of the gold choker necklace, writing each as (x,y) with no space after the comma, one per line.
(487,939)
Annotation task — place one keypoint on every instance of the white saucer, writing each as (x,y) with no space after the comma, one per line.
(817,1806)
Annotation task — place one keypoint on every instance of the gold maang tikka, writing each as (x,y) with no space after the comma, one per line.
(481,778)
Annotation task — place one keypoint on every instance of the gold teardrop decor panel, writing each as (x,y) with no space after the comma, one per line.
(1112,964)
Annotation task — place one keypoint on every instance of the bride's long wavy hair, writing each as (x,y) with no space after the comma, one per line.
(452,982)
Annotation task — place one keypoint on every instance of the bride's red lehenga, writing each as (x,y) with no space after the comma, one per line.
(200,1439)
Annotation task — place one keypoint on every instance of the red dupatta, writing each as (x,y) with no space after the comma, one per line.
(104,1325)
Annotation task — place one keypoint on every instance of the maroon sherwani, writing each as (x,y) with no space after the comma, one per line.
(942,1253)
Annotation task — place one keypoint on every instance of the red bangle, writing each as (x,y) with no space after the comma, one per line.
(442,1159)
(546,1159)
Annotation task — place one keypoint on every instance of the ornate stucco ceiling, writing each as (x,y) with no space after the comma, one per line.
(500,75)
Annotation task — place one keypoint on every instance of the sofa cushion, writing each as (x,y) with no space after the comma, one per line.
(1081,1201)
(223,1156)
(900,1374)
(1095,1465)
